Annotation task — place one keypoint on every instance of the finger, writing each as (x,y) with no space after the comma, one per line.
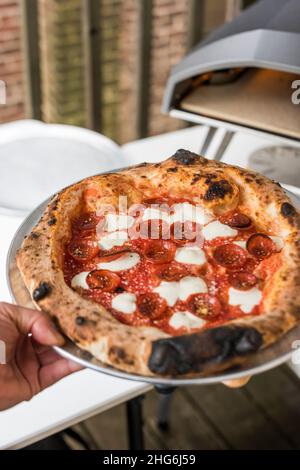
(237,382)
(52,373)
(45,354)
(27,363)
(32,321)
(48,356)
(39,348)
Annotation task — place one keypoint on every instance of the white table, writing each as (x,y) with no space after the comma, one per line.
(87,393)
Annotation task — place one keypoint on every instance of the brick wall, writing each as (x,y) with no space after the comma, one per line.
(62,62)
(128,70)
(168,47)
(169,44)
(109,64)
(11,62)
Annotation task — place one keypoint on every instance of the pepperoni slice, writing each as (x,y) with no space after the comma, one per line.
(250,264)
(86,223)
(104,280)
(104,256)
(230,256)
(83,250)
(204,305)
(242,280)
(237,220)
(181,232)
(172,272)
(260,245)
(160,251)
(155,229)
(151,305)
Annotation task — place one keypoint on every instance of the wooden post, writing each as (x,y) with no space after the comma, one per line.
(30,36)
(92,74)
(233,9)
(196,17)
(143,75)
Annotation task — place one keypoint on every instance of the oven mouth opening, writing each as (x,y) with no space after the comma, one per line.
(259,98)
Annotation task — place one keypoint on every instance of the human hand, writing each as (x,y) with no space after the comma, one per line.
(31,365)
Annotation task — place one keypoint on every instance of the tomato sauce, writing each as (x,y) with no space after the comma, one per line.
(228,265)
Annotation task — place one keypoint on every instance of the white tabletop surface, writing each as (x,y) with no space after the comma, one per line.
(87,392)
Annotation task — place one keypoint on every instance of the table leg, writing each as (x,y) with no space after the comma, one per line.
(135,423)
(164,406)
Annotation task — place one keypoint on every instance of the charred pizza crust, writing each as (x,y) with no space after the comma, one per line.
(150,351)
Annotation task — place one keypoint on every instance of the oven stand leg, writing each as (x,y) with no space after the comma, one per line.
(164,406)
(135,423)
(223,145)
(208,139)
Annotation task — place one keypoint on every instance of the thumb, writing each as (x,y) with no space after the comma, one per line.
(32,321)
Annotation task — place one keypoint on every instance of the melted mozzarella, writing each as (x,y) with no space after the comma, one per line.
(188,212)
(155,213)
(241,243)
(172,291)
(191,285)
(126,261)
(182,212)
(278,242)
(107,242)
(185,320)
(125,303)
(246,300)
(168,291)
(116,222)
(217,229)
(190,255)
(80,280)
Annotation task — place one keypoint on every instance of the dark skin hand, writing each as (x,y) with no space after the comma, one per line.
(31,363)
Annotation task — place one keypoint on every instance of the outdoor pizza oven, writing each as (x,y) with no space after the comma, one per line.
(244,74)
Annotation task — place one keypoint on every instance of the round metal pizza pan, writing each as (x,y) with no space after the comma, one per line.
(257,363)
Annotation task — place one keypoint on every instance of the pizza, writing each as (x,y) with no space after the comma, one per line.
(177,268)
